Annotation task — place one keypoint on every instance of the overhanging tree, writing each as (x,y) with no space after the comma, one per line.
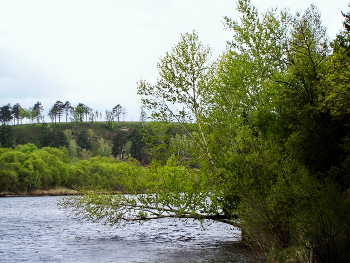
(171,190)
(249,118)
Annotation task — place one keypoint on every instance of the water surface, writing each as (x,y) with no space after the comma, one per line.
(34,229)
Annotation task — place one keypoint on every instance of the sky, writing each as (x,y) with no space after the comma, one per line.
(95,51)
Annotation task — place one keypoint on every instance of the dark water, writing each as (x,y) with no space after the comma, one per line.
(34,229)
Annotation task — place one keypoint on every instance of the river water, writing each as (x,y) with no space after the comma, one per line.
(34,229)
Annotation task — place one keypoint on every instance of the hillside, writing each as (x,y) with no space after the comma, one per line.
(30,133)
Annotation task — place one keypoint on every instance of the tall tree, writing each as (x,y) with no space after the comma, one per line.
(118,141)
(77,113)
(124,111)
(38,109)
(82,110)
(96,115)
(110,119)
(337,103)
(67,107)
(143,116)
(87,112)
(5,113)
(32,114)
(84,141)
(16,109)
(310,126)
(60,108)
(178,93)
(53,113)
(117,110)
(23,113)
(137,145)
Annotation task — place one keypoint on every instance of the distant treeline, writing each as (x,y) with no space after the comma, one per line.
(82,141)
(59,112)
(86,155)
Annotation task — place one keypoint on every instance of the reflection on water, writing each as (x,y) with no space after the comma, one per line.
(34,229)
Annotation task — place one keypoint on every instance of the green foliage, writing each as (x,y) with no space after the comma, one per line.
(163,191)
(32,133)
(73,148)
(61,140)
(105,172)
(36,111)
(20,138)
(103,148)
(47,136)
(84,140)
(29,147)
(77,113)
(16,110)
(183,77)
(6,137)
(85,154)
(322,220)
(119,141)
(310,126)
(28,168)
(267,130)
(137,145)
(5,113)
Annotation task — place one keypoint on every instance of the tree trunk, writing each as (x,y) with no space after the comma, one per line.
(312,259)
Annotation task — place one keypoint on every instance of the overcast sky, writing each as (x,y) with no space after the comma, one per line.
(94,52)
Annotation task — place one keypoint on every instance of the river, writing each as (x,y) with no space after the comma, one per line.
(34,229)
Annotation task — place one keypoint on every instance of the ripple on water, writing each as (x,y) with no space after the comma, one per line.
(33,229)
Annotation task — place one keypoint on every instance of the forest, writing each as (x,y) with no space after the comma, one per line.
(258,138)
(44,156)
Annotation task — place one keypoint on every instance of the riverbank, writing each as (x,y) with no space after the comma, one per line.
(49,192)
(55,192)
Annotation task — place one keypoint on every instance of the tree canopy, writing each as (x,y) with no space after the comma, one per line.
(258,139)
